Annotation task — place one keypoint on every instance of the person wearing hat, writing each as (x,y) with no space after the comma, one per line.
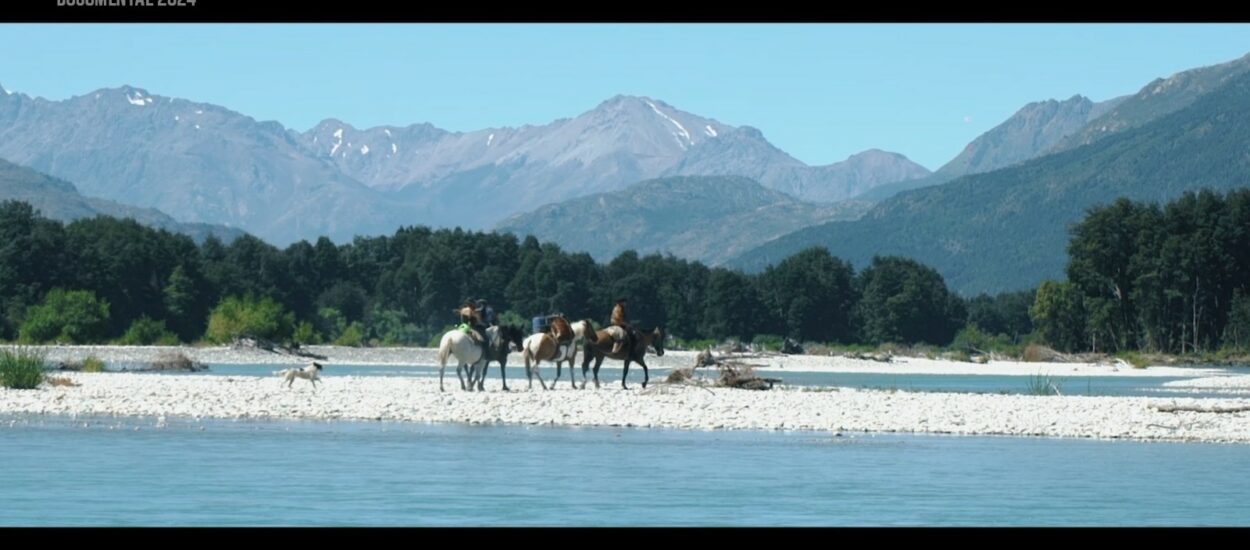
(489,318)
(470,316)
(626,334)
(468,312)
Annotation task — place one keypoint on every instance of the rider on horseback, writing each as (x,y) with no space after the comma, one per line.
(470,316)
(623,335)
(489,317)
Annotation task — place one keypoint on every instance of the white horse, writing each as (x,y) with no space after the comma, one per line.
(535,349)
(468,354)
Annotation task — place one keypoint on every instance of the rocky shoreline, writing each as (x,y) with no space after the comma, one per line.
(681,406)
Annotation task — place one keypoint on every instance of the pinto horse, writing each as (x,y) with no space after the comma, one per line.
(558,346)
(543,346)
(581,331)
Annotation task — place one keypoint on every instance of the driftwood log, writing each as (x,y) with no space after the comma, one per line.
(733,373)
(176,362)
(884,357)
(170,361)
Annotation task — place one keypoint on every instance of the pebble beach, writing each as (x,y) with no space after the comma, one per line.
(660,405)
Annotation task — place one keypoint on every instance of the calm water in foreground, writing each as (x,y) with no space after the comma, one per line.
(130,471)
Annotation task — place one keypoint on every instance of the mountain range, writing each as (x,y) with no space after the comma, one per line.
(204,163)
(1032,131)
(711,218)
(59,200)
(1008,229)
(636,173)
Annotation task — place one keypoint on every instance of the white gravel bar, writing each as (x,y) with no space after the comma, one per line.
(418,399)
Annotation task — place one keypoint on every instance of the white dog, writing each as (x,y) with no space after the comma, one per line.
(310,373)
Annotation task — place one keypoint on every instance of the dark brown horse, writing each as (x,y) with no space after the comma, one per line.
(602,348)
(500,339)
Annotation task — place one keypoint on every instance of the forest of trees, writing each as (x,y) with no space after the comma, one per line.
(1145,277)
(1172,278)
(111,280)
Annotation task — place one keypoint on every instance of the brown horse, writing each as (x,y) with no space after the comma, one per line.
(602,348)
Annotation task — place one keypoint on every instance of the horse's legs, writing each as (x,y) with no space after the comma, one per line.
(559,368)
(645,375)
(529,372)
(470,371)
(598,363)
(481,376)
(441,368)
(586,355)
(625,374)
(539,374)
(472,374)
(459,374)
(503,367)
(474,370)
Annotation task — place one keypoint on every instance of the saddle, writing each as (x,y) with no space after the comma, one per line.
(479,339)
(561,348)
(621,337)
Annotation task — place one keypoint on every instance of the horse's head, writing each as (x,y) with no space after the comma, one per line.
(657,341)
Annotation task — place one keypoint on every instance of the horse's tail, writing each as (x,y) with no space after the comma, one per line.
(589,335)
(444,349)
(526,354)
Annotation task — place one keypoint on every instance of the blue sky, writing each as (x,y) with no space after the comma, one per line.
(819,92)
